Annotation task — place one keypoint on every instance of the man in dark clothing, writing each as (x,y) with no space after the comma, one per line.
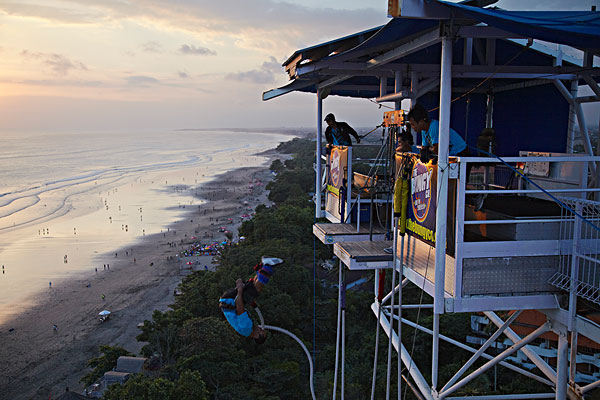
(338,133)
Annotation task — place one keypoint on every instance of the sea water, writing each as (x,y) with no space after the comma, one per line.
(66,198)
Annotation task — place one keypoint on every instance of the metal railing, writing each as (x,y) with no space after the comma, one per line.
(579,269)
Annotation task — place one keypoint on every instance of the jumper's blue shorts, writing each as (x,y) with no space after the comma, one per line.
(241,323)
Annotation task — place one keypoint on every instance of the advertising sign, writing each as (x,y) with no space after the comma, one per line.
(422,203)
(338,161)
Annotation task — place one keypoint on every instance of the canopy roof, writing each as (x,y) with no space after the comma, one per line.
(573,28)
(493,53)
(353,65)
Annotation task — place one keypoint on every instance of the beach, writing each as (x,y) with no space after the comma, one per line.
(39,361)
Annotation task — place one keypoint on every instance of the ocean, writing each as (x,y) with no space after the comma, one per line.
(66,198)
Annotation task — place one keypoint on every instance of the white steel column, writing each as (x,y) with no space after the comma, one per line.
(572,119)
(339,322)
(319,171)
(442,201)
(391,316)
(382,86)
(346,218)
(397,88)
(562,367)
(399,311)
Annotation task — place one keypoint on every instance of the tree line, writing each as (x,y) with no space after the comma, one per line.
(195,354)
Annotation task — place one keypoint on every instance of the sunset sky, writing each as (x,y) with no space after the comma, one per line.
(151,64)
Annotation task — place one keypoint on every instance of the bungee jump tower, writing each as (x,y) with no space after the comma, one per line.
(510,232)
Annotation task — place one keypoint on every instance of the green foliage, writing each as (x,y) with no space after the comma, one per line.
(276,166)
(106,362)
(202,357)
(189,385)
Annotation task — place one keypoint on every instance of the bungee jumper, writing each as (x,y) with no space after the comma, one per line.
(233,302)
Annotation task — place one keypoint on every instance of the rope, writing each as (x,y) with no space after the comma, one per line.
(380,105)
(371,131)
(275,328)
(554,198)
(310,362)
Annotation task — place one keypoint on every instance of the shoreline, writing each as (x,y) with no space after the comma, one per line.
(38,362)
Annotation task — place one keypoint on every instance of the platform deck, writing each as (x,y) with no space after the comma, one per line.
(364,255)
(329,233)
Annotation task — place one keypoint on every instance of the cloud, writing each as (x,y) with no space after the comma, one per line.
(199,51)
(58,14)
(61,82)
(60,64)
(152,47)
(264,74)
(141,81)
(267,26)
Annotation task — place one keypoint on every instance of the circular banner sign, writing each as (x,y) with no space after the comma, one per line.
(421,191)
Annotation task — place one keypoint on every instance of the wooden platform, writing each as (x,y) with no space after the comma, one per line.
(364,255)
(329,233)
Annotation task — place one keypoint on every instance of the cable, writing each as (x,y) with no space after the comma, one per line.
(275,328)
(368,133)
(380,105)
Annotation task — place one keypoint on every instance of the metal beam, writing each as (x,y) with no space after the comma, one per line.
(484,355)
(512,349)
(318,187)
(583,326)
(486,32)
(410,47)
(481,350)
(442,206)
(426,86)
(414,371)
(404,94)
(530,353)
(592,84)
(271,94)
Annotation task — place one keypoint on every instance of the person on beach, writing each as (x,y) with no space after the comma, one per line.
(233,301)
(338,132)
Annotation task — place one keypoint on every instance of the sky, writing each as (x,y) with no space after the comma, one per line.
(158,64)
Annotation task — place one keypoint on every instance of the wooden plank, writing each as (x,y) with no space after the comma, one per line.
(331,233)
(367,251)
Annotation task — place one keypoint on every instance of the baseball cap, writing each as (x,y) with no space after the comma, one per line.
(329,117)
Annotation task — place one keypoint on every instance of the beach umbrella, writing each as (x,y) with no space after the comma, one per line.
(104,312)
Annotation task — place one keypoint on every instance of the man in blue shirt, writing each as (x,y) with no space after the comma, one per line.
(430,132)
(233,301)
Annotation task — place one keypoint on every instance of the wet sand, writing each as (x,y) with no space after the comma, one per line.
(36,361)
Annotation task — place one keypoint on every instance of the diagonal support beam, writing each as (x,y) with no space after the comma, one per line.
(483,348)
(484,355)
(585,135)
(412,46)
(512,349)
(415,373)
(592,84)
(536,359)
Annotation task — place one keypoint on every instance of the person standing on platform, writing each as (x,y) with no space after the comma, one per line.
(430,132)
(338,132)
